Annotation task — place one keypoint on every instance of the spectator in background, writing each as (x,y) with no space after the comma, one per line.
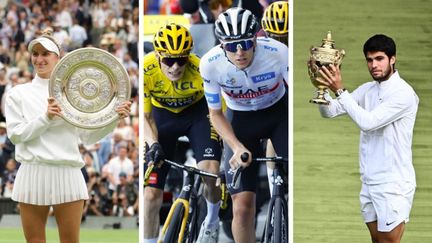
(204,11)
(203,15)
(3,83)
(5,58)
(124,197)
(8,178)
(118,164)
(22,57)
(104,150)
(63,16)
(125,130)
(128,63)
(3,138)
(61,35)
(17,36)
(77,34)
(116,142)
(23,20)
(100,203)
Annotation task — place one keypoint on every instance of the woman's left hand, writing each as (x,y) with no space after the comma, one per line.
(124,109)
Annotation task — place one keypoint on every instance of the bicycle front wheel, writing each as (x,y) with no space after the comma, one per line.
(173,231)
(280,222)
(198,215)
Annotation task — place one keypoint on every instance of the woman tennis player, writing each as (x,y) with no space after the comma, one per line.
(47,147)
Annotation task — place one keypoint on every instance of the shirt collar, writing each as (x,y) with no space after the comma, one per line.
(393,78)
(40,81)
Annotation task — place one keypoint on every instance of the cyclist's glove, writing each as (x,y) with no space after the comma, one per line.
(155,154)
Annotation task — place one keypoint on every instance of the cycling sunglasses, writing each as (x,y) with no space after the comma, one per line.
(169,61)
(233,46)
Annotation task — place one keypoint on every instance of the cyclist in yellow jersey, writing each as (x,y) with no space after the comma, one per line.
(174,106)
(175,96)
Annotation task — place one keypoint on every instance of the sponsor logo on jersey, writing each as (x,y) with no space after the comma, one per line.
(194,67)
(176,102)
(185,85)
(213,58)
(149,67)
(159,84)
(212,98)
(153,178)
(251,93)
(207,80)
(266,47)
(231,87)
(230,81)
(208,152)
(263,77)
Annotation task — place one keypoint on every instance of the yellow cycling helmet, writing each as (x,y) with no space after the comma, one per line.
(275,18)
(173,40)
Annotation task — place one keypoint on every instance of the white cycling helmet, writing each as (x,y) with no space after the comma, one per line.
(236,24)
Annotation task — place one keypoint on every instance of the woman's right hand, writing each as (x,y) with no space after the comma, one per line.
(53,108)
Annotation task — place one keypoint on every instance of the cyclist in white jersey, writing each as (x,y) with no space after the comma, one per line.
(250,75)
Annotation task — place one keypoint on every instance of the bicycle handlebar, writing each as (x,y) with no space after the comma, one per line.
(192,170)
(235,184)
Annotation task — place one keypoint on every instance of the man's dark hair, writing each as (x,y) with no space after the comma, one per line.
(382,43)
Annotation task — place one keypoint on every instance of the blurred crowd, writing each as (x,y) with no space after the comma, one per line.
(111,165)
(203,11)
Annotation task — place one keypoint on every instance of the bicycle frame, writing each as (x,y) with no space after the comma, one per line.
(190,184)
(278,192)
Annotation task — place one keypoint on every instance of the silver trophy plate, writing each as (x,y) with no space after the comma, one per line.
(88,84)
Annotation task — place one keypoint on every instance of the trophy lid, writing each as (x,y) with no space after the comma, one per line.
(328,42)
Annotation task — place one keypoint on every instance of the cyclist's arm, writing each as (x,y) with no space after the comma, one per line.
(225,130)
(150,129)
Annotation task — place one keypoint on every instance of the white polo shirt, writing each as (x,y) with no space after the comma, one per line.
(385,113)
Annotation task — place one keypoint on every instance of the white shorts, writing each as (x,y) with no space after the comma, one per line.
(41,184)
(389,204)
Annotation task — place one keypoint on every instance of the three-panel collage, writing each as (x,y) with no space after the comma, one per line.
(215,121)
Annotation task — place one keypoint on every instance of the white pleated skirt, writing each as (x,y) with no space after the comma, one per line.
(41,184)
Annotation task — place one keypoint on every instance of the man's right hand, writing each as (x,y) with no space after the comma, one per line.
(155,154)
(237,161)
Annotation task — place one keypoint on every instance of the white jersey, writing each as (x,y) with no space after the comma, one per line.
(254,88)
(385,113)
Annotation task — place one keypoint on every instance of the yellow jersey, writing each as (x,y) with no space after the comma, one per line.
(174,96)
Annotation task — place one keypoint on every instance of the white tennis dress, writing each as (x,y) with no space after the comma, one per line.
(50,171)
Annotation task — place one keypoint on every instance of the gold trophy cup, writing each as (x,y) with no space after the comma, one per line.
(323,55)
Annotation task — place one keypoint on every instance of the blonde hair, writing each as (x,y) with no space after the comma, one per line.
(48,33)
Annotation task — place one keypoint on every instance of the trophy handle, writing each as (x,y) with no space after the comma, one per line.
(319,98)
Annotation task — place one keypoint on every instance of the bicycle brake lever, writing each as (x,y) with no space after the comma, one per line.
(235,184)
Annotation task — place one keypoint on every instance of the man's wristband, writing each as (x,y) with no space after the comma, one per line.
(339,92)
